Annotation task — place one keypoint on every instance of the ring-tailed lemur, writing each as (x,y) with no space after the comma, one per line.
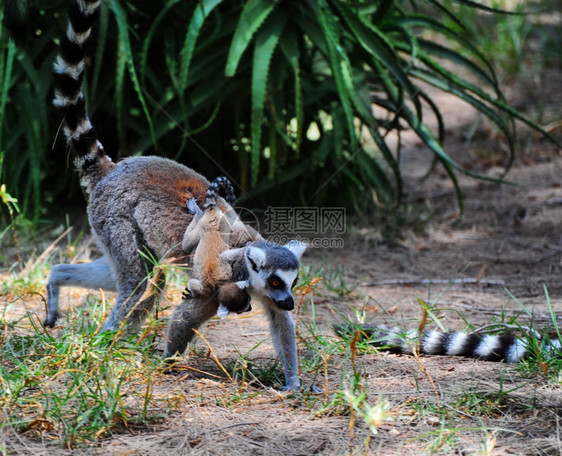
(209,234)
(488,347)
(138,206)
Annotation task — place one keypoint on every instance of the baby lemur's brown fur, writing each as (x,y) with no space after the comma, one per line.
(210,234)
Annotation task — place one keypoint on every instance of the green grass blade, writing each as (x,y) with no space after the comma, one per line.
(500,104)
(103,24)
(375,175)
(410,45)
(425,134)
(290,48)
(380,47)
(272,144)
(551,312)
(120,68)
(127,50)
(475,102)
(147,42)
(35,143)
(425,22)
(265,43)
(437,113)
(389,158)
(443,9)
(325,17)
(253,15)
(436,49)
(458,191)
(383,10)
(489,9)
(6,74)
(338,121)
(202,11)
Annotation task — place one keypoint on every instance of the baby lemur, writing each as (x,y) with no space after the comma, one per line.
(137,210)
(209,234)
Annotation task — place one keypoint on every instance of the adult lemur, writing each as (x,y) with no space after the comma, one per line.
(138,206)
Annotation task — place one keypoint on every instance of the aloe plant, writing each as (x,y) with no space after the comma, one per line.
(279,94)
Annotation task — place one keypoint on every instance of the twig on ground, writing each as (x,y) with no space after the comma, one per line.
(490,311)
(214,356)
(222,428)
(461,281)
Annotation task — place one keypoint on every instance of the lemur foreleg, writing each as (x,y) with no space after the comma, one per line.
(193,233)
(282,329)
(188,315)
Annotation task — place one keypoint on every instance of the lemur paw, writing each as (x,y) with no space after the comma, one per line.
(309,389)
(295,386)
(186,294)
(50,320)
(312,389)
(192,206)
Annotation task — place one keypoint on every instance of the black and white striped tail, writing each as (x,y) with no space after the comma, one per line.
(69,99)
(506,347)
(215,187)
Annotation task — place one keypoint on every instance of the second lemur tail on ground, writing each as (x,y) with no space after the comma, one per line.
(91,161)
(506,347)
(218,184)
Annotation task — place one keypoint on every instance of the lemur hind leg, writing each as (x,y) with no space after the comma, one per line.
(190,314)
(138,290)
(96,274)
(134,267)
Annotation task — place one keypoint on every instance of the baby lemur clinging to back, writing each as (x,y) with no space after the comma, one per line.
(138,206)
(209,234)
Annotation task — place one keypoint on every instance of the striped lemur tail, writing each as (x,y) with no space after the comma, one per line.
(91,161)
(218,184)
(506,347)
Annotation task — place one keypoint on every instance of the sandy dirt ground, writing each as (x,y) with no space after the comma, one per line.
(509,241)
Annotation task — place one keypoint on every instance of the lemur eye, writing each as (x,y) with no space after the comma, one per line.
(294,282)
(275,282)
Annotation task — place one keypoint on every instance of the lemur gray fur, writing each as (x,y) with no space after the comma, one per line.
(209,235)
(506,347)
(138,206)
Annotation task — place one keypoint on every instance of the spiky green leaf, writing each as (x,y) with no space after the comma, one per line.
(265,43)
(253,15)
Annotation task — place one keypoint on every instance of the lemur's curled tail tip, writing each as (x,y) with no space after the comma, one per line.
(215,187)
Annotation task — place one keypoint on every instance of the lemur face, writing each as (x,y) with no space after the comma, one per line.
(273,271)
(279,286)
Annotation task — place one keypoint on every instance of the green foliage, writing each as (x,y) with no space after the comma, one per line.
(299,95)
(24,133)
(504,38)
(76,386)
(11,204)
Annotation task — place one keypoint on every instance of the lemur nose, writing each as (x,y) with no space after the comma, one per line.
(286,304)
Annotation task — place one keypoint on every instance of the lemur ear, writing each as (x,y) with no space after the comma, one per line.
(256,257)
(297,247)
(242,284)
